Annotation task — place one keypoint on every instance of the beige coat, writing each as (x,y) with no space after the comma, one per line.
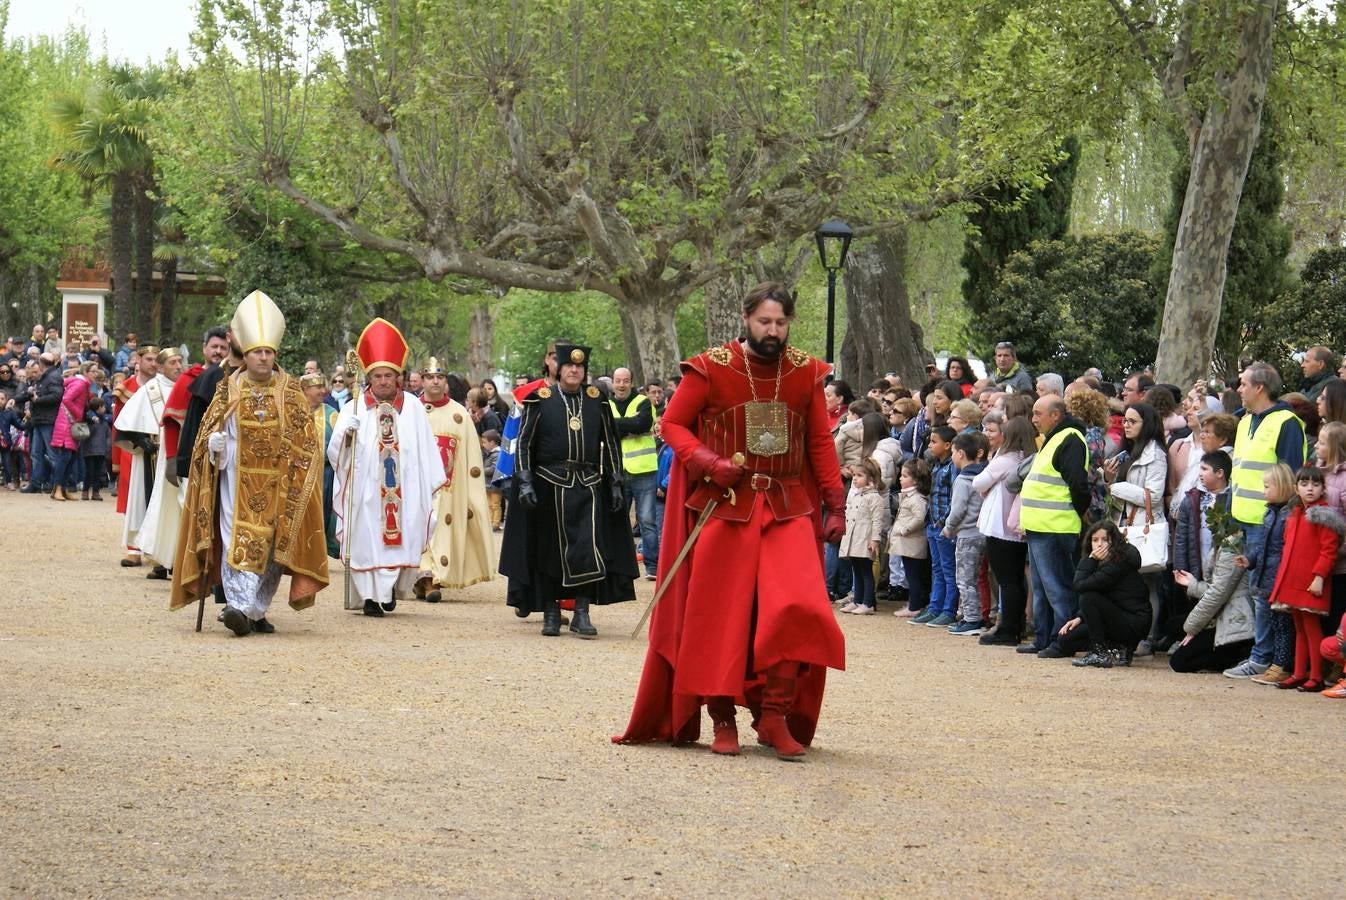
(866,518)
(907,537)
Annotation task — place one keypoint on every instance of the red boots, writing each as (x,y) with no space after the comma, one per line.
(777,696)
(722,712)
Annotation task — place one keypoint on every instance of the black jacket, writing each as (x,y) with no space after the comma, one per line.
(629,425)
(47,395)
(1072,462)
(1119,582)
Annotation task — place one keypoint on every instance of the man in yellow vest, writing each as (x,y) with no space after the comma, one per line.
(1268,433)
(633,415)
(1053,502)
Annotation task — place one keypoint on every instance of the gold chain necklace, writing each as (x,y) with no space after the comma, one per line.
(258,397)
(765,424)
(752,381)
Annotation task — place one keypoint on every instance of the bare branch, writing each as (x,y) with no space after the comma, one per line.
(342,220)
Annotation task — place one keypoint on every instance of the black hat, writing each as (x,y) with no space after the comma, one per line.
(573,354)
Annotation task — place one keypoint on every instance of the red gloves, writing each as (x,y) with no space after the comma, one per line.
(704,463)
(834,515)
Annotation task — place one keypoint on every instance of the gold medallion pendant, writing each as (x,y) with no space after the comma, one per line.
(766,427)
(575,423)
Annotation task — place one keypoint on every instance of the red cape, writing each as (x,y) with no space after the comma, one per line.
(661,715)
(175,408)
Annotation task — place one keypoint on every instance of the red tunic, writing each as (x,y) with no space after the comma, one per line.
(750,593)
(175,409)
(1311,539)
(121,460)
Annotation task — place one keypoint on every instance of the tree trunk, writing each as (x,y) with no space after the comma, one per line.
(168,297)
(648,333)
(480,341)
(881,335)
(143,300)
(1220,158)
(724,308)
(122,225)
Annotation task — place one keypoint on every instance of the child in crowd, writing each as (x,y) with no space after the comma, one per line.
(11,427)
(850,438)
(1302,588)
(906,540)
(661,476)
(969,458)
(943,585)
(495,497)
(94,451)
(866,518)
(1192,538)
(1272,656)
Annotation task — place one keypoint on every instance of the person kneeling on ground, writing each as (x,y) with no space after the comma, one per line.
(1219,630)
(1114,601)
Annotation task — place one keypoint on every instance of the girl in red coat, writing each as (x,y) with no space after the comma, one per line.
(1302,587)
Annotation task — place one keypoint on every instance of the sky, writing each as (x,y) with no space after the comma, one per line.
(132,31)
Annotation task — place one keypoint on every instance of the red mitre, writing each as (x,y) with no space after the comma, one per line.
(381,344)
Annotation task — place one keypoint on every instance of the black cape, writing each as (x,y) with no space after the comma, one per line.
(572,544)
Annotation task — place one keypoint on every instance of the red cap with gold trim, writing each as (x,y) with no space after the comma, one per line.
(381,344)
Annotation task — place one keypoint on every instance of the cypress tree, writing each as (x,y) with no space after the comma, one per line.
(1007,220)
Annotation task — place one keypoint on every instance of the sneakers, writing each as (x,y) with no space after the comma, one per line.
(842,601)
(849,607)
(1245,669)
(1144,648)
(924,617)
(941,621)
(862,610)
(907,613)
(1273,675)
(1337,691)
(970,629)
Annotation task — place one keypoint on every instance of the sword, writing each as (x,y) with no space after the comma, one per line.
(738,460)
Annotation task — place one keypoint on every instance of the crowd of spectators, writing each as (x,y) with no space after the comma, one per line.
(1105,521)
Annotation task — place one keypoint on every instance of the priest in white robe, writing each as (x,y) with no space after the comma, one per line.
(388,468)
(158,538)
(138,426)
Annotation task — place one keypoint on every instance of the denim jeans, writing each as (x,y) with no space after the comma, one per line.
(1263,641)
(40,452)
(943,572)
(65,468)
(640,488)
(1051,563)
(840,580)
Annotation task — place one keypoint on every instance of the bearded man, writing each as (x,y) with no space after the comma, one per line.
(462,552)
(388,469)
(254,493)
(746,620)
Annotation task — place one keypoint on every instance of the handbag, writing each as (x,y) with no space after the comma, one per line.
(1150,538)
(79,431)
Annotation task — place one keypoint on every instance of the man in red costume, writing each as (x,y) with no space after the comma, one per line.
(214,350)
(746,621)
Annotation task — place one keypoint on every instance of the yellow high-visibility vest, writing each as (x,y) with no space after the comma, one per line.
(1254,454)
(639,454)
(1044,501)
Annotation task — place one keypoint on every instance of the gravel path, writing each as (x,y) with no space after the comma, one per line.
(452,750)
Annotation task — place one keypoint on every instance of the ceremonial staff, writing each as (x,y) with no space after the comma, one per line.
(353,369)
(737,459)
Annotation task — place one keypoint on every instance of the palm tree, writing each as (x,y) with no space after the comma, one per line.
(104,134)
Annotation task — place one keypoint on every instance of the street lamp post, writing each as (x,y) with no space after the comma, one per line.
(834,240)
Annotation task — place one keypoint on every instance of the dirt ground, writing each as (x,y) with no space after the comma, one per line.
(452,750)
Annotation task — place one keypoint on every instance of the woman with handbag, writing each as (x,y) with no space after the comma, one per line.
(1136,477)
(70,429)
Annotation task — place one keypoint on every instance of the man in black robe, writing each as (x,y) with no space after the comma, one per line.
(565,535)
